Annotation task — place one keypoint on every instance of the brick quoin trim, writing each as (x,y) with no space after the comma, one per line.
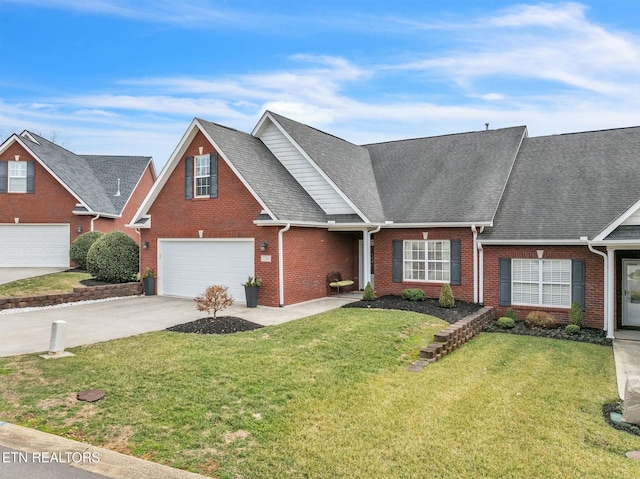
(594,288)
(383,261)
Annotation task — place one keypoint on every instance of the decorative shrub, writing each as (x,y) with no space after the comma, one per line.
(215,298)
(414,294)
(251,282)
(540,319)
(446,297)
(113,258)
(369,293)
(572,328)
(149,273)
(80,247)
(505,322)
(511,314)
(575,315)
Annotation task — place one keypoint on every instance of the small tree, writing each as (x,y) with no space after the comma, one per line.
(575,314)
(215,298)
(446,297)
(80,247)
(369,293)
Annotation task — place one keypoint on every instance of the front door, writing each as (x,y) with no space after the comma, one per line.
(631,292)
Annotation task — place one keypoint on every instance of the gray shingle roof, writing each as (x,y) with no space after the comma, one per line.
(346,164)
(571,185)
(271,181)
(92,178)
(451,178)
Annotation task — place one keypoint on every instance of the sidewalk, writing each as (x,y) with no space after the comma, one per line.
(626,352)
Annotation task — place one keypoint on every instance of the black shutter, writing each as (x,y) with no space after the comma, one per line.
(396,261)
(31,177)
(188,177)
(4,176)
(577,281)
(504,280)
(213,175)
(456,271)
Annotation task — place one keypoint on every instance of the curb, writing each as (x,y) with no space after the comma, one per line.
(84,456)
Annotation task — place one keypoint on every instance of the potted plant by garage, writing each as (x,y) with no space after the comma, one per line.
(251,288)
(149,282)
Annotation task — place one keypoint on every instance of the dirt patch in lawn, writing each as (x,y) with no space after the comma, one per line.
(221,325)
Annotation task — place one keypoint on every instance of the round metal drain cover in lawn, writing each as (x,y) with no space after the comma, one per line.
(90,395)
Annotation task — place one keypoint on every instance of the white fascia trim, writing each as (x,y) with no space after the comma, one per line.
(439,225)
(140,227)
(617,244)
(42,163)
(318,169)
(525,134)
(531,242)
(617,222)
(93,213)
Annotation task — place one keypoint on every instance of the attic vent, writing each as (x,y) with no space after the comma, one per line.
(118,192)
(486,126)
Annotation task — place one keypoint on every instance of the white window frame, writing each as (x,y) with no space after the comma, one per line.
(202,163)
(13,176)
(413,266)
(541,283)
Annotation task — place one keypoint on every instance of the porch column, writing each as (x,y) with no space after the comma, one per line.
(610,279)
(366,257)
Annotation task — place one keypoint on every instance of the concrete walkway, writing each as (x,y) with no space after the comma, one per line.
(626,352)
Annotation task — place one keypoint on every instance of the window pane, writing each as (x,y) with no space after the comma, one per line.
(18,185)
(18,168)
(556,295)
(526,293)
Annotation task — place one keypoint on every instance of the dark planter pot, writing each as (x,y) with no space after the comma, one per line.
(149,286)
(251,293)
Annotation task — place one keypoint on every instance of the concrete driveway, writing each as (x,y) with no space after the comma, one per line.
(7,275)
(29,331)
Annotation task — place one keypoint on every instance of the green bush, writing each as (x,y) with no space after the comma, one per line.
(80,247)
(113,258)
(446,297)
(540,319)
(575,315)
(414,294)
(511,314)
(572,328)
(505,322)
(369,293)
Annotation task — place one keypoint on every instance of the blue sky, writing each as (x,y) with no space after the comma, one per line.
(127,77)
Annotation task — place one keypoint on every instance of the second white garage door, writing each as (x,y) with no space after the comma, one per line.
(34,245)
(187,267)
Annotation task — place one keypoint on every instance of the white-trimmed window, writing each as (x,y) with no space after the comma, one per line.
(202,176)
(427,260)
(541,282)
(17,176)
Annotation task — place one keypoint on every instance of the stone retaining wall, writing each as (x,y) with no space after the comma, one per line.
(454,336)
(79,294)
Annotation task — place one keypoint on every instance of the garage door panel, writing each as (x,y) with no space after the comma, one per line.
(30,245)
(187,268)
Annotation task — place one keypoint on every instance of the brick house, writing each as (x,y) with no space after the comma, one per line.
(49,196)
(506,220)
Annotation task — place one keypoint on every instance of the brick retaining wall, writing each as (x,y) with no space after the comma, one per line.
(455,335)
(79,294)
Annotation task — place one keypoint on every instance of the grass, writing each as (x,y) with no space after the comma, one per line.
(53,283)
(330,396)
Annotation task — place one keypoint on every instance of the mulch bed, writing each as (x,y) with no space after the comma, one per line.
(428,306)
(585,335)
(220,325)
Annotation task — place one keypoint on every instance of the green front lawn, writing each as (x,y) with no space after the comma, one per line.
(330,396)
(54,283)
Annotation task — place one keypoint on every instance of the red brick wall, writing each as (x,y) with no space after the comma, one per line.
(594,287)
(383,261)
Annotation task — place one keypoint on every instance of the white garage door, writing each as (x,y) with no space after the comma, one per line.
(187,267)
(27,245)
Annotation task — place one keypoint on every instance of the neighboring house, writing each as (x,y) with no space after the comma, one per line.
(506,220)
(49,196)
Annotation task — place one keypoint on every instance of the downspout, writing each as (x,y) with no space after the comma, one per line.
(481,274)
(608,318)
(475,263)
(281,264)
(93,219)
(367,251)
(139,252)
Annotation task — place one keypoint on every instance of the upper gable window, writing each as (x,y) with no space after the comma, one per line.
(201,176)
(17,177)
